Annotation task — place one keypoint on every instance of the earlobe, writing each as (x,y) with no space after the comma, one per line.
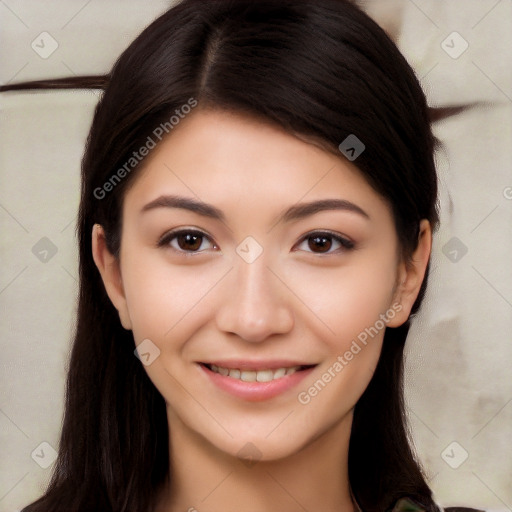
(411,275)
(108,266)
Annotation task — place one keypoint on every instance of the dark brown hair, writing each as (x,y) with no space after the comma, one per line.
(322,69)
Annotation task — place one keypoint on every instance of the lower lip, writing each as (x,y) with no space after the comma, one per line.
(256,391)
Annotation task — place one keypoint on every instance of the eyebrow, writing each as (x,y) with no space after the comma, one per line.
(294,212)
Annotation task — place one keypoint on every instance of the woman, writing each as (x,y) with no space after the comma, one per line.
(258,201)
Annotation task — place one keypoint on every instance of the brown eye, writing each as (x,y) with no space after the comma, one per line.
(323,242)
(186,241)
(189,241)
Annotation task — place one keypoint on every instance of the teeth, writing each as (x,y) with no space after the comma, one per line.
(265,376)
(248,376)
(279,373)
(254,376)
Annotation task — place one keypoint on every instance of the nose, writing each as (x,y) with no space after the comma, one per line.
(255,303)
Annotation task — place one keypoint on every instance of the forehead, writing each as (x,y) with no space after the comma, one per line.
(243,163)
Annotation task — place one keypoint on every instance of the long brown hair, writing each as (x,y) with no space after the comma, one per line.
(323,69)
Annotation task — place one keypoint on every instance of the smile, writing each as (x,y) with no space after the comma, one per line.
(255,381)
(255,375)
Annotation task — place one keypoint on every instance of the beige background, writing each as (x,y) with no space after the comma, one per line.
(459,351)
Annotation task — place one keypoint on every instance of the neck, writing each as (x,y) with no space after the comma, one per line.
(203,477)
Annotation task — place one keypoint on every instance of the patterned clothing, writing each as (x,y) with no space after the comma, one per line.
(409,505)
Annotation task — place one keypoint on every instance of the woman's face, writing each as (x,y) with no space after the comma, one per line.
(261,315)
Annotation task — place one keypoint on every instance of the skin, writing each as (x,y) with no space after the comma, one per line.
(293,301)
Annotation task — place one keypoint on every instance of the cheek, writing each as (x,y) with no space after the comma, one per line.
(345,300)
(347,303)
(352,340)
(165,300)
(167,303)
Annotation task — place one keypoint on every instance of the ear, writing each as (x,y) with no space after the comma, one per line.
(109,268)
(411,274)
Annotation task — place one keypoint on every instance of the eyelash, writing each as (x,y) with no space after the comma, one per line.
(345,243)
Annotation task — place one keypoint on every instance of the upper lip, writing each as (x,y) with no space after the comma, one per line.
(246,364)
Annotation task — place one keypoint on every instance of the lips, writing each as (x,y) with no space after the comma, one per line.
(256,381)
